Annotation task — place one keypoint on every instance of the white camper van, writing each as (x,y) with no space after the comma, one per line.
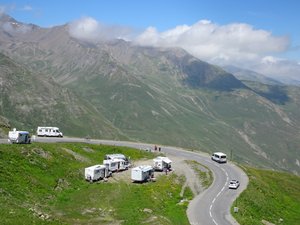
(19,137)
(115,164)
(96,172)
(142,173)
(118,156)
(162,163)
(49,132)
(219,157)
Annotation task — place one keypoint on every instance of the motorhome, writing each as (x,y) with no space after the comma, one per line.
(118,156)
(49,132)
(115,164)
(96,172)
(161,163)
(142,173)
(219,157)
(19,137)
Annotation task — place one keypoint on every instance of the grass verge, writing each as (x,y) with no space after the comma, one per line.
(271,196)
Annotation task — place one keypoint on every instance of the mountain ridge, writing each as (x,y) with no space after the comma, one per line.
(156,95)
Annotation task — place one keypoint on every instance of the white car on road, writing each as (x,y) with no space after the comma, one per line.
(234,184)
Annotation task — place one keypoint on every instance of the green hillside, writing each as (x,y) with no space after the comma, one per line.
(44,184)
(29,100)
(270,196)
(117,90)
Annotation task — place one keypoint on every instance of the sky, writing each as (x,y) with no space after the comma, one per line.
(262,35)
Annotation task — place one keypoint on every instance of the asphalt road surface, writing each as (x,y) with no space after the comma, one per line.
(211,207)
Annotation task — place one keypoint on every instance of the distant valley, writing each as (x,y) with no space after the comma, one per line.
(117,90)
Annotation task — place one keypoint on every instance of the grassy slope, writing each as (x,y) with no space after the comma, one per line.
(270,196)
(46,179)
(146,100)
(29,100)
(156,109)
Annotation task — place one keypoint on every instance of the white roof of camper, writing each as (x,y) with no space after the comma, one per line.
(113,160)
(96,167)
(19,132)
(144,168)
(161,158)
(116,155)
(219,153)
(47,128)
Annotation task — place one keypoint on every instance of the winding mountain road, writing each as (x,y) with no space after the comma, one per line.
(211,207)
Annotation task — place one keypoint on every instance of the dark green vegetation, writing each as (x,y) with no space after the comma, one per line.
(270,196)
(117,90)
(44,184)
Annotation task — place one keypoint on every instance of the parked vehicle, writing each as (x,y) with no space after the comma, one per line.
(219,157)
(118,156)
(115,164)
(142,173)
(49,132)
(19,137)
(96,172)
(161,163)
(234,184)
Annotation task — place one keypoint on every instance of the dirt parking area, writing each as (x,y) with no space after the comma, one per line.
(179,166)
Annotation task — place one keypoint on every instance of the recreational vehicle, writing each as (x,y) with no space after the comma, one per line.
(118,156)
(49,132)
(162,163)
(115,164)
(219,157)
(19,137)
(142,173)
(96,172)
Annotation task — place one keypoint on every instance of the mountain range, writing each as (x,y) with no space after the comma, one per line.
(114,89)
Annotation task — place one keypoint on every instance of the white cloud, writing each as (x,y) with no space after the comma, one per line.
(236,44)
(279,68)
(2,10)
(6,8)
(89,29)
(27,8)
(85,28)
(211,42)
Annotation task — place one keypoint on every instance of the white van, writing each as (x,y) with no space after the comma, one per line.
(219,157)
(49,132)
(19,137)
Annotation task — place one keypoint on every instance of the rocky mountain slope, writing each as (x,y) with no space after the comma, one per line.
(29,99)
(115,89)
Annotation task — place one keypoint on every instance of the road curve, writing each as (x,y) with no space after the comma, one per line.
(211,207)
